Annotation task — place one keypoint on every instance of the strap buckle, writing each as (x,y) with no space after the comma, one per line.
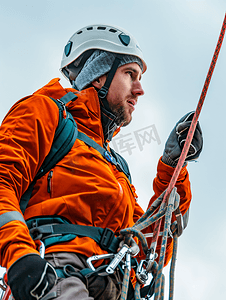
(37,233)
(106,238)
(102,93)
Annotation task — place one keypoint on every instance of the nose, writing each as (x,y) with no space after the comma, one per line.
(137,88)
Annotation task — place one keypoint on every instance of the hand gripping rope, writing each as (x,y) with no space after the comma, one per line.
(168,205)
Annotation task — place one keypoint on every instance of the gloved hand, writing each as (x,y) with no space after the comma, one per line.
(176,140)
(31,277)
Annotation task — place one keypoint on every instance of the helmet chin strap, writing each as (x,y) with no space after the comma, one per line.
(102,93)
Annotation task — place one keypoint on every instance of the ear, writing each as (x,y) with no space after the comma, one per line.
(99,82)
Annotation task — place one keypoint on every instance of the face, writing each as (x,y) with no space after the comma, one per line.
(124,91)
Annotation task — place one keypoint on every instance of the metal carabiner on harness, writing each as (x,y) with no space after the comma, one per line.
(98,257)
(145,267)
(128,262)
(117,259)
(142,274)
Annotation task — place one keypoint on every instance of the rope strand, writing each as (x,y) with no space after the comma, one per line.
(191,129)
(169,196)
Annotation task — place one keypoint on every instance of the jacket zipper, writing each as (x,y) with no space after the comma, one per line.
(64,108)
(49,181)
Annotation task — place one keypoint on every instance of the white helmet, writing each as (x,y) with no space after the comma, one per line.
(104,37)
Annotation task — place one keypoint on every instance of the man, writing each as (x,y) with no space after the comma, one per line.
(91,185)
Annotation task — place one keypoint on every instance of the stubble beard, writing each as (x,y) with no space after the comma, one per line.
(120,113)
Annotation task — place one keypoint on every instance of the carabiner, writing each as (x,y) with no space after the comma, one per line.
(42,249)
(128,261)
(117,259)
(98,257)
(142,274)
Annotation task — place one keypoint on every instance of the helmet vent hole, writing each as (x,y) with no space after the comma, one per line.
(79,32)
(101,28)
(89,28)
(112,30)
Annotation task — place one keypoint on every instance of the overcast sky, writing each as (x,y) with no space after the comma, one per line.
(178,38)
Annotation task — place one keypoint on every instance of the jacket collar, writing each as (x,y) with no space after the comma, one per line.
(108,123)
(92,118)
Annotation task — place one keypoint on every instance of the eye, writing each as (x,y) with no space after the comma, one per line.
(130,73)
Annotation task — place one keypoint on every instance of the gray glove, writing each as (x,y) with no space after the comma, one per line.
(176,140)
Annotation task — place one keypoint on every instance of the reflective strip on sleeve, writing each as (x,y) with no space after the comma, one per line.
(11,216)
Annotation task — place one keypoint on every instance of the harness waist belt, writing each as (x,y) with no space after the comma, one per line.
(105,237)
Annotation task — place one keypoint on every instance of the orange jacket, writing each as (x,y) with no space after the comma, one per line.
(84,187)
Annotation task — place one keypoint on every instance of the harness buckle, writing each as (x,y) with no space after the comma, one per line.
(106,238)
(37,233)
(102,93)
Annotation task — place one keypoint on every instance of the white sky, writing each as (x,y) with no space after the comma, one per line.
(178,39)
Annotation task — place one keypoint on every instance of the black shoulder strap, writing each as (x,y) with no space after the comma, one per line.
(64,138)
(65,135)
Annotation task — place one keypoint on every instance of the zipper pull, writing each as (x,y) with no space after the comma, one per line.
(64,108)
(64,114)
(50,175)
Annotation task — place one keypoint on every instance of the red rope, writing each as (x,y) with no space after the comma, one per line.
(191,131)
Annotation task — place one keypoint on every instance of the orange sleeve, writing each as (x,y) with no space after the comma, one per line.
(26,136)
(160,184)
